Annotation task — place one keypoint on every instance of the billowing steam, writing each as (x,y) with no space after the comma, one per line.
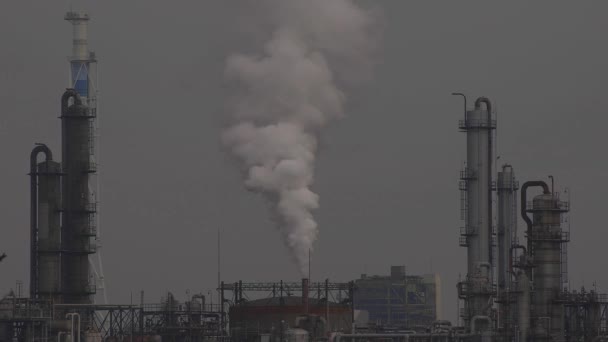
(286,94)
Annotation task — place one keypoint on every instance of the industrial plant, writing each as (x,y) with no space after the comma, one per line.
(515,288)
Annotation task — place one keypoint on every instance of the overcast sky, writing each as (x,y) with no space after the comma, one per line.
(387,173)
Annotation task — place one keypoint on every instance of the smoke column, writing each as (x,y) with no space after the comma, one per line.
(285,95)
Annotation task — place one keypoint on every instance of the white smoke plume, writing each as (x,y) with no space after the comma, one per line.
(285,95)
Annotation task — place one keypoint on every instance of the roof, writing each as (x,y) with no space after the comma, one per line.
(286,301)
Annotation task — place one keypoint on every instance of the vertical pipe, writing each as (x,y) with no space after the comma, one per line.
(327,302)
(40,148)
(523,306)
(222,319)
(305,295)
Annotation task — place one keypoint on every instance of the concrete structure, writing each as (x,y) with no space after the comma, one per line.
(399,300)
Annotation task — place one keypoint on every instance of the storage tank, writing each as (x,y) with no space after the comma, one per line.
(276,315)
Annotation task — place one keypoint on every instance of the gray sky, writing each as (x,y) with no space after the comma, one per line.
(387,174)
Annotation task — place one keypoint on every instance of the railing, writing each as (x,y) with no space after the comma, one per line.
(508,184)
(556,205)
(463,185)
(476,123)
(91,230)
(468,231)
(90,248)
(87,206)
(548,235)
(466,289)
(463,241)
(467,173)
(89,167)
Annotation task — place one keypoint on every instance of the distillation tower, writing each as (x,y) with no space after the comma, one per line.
(546,256)
(476,185)
(63,195)
(506,189)
(516,291)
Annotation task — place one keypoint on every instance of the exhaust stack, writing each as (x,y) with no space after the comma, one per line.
(305,295)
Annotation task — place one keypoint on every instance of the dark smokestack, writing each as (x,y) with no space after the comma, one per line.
(305,295)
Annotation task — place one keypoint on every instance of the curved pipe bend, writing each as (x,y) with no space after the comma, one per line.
(67,95)
(40,148)
(485,100)
(524,189)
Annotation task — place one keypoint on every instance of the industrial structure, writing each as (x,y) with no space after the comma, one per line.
(63,219)
(26,319)
(398,301)
(64,236)
(515,289)
(285,311)
(63,206)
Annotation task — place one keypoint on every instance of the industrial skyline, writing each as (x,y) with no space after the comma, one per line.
(545,79)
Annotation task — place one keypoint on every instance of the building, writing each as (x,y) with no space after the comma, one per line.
(399,300)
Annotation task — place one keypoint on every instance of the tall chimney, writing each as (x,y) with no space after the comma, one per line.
(305,295)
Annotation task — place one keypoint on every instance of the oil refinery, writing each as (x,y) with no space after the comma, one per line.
(515,288)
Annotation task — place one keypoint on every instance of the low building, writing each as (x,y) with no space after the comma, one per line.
(398,300)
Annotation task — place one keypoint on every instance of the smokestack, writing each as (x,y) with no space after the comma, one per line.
(305,295)
(285,94)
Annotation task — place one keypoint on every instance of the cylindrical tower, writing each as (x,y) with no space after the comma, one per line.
(78,207)
(545,241)
(476,184)
(507,230)
(45,261)
(523,306)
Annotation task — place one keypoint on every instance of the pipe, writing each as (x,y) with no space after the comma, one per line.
(523,200)
(523,305)
(305,295)
(478,103)
(40,148)
(358,336)
(67,95)
(71,316)
(465,104)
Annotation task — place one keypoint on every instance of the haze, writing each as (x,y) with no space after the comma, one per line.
(387,174)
